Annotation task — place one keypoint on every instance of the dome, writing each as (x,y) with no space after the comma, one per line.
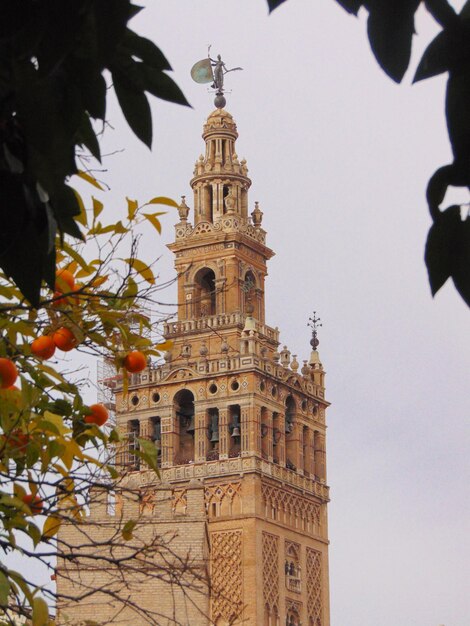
(220,121)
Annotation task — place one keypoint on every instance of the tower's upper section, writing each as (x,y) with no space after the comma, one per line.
(220,186)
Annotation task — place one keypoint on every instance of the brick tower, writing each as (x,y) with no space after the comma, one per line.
(240,430)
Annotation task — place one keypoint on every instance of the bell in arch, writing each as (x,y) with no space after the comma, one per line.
(235,425)
(191,426)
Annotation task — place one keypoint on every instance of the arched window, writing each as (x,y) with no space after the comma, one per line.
(292,567)
(133,434)
(184,427)
(291,442)
(235,430)
(266,433)
(249,291)
(205,296)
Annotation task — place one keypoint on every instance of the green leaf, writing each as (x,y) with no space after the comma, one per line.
(148,452)
(135,107)
(128,529)
(40,612)
(4,588)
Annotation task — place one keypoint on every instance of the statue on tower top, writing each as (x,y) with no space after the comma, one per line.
(212,71)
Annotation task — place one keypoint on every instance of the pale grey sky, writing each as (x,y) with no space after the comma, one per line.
(339,157)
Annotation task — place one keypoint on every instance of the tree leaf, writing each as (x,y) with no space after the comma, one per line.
(97,208)
(132,206)
(51,527)
(273,4)
(161,85)
(40,612)
(143,269)
(90,179)
(82,217)
(351,6)
(163,200)
(152,218)
(135,107)
(4,589)
(390,28)
(146,50)
(128,530)
(435,59)
(439,250)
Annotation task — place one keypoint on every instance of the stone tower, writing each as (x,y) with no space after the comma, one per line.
(239,428)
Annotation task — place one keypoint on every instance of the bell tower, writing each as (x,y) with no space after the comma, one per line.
(238,423)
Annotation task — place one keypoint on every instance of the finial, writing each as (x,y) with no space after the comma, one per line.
(212,71)
(183,209)
(257,215)
(314,323)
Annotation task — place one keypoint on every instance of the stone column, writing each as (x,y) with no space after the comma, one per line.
(246,427)
(224,434)
(320,453)
(168,435)
(200,436)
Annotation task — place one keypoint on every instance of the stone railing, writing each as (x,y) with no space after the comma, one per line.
(238,465)
(222,320)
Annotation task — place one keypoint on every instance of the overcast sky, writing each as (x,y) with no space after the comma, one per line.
(339,157)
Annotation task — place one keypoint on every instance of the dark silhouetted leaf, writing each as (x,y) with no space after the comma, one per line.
(390,28)
(86,137)
(458,117)
(461,269)
(351,6)
(146,50)
(448,252)
(273,4)
(136,109)
(162,86)
(435,58)
(111,19)
(94,97)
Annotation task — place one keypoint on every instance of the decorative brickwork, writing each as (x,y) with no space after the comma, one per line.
(314,588)
(226,575)
(271,571)
(223,499)
(179,501)
(287,507)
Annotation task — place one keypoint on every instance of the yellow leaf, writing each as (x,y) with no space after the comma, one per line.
(58,422)
(163,347)
(90,179)
(82,218)
(75,256)
(40,612)
(163,200)
(97,208)
(143,269)
(132,206)
(51,527)
(152,218)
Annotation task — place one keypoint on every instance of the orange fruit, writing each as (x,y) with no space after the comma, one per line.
(43,347)
(34,502)
(8,373)
(135,361)
(64,339)
(65,281)
(99,415)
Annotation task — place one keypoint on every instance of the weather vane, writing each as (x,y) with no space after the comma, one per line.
(314,323)
(212,71)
